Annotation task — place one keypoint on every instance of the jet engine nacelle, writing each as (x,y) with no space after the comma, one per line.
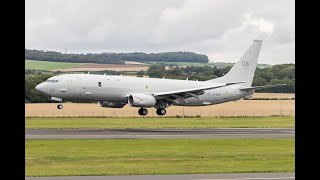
(142,100)
(110,104)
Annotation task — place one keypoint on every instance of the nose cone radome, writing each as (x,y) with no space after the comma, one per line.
(40,87)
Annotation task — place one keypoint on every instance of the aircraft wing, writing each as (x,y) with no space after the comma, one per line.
(261,87)
(187,93)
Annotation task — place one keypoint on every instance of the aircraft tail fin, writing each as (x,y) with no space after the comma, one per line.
(244,69)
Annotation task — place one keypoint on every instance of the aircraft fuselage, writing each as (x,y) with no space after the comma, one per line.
(117,88)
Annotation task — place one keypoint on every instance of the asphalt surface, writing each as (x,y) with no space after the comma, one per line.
(242,176)
(159,133)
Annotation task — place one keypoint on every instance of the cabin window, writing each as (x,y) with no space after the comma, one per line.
(99,84)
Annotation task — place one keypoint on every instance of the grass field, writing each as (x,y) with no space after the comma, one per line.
(248,122)
(46,65)
(127,68)
(174,156)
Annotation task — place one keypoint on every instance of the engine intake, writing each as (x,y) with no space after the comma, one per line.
(142,100)
(110,104)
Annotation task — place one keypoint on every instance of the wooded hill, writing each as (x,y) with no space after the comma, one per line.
(115,58)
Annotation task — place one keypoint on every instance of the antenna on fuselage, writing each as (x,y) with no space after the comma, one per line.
(104,73)
(162,77)
(187,79)
(120,74)
(147,76)
(89,72)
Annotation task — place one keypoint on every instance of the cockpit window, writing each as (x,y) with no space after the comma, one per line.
(52,81)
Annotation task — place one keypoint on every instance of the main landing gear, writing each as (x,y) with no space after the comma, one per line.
(161,111)
(143,111)
(59,106)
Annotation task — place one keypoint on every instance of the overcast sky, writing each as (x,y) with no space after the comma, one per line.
(220,29)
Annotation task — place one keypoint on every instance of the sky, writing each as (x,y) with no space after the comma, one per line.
(221,29)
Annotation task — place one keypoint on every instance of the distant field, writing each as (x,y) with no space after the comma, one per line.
(129,66)
(75,67)
(122,123)
(101,67)
(238,108)
(181,63)
(164,156)
(217,64)
(46,65)
(274,95)
(135,63)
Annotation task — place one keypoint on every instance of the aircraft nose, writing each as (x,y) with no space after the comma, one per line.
(40,87)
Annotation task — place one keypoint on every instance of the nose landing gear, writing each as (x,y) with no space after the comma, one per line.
(60,106)
(143,111)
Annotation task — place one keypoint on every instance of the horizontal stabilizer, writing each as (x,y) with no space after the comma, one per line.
(261,87)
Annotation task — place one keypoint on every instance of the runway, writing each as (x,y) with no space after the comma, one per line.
(159,133)
(240,176)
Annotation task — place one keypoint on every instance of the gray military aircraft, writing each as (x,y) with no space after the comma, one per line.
(116,91)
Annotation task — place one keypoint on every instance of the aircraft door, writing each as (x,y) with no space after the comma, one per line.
(70,87)
(85,90)
(80,86)
(226,94)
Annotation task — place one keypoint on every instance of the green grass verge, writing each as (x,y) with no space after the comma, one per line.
(46,65)
(242,122)
(165,156)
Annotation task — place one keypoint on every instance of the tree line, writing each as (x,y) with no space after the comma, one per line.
(277,74)
(32,79)
(115,58)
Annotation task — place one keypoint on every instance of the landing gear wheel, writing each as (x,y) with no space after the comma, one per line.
(161,111)
(143,111)
(60,106)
